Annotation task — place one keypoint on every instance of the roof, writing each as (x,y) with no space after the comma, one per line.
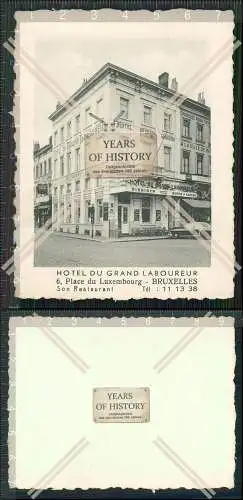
(42,150)
(198,203)
(105,70)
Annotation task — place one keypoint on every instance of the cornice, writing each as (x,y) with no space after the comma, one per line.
(139,83)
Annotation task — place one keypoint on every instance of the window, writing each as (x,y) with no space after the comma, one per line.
(99,108)
(62,134)
(69,129)
(99,210)
(167,122)
(77,123)
(69,213)
(91,213)
(186,127)
(146,210)
(42,189)
(77,186)
(62,210)
(167,158)
(77,211)
(55,191)
(77,159)
(158,215)
(207,167)
(87,183)
(97,181)
(87,207)
(61,190)
(36,171)
(124,107)
(185,167)
(55,168)
(45,167)
(199,132)
(61,166)
(68,188)
(147,115)
(136,215)
(49,166)
(87,117)
(199,164)
(68,163)
(55,138)
(40,169)
(105,212)
(124,215)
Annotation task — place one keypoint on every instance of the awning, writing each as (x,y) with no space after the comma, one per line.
(198,203)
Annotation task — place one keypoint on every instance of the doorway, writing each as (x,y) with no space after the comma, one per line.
(123,223)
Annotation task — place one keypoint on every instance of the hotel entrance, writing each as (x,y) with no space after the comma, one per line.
(124,200)
(123,219)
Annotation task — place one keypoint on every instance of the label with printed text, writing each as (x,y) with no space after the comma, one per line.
(119,404)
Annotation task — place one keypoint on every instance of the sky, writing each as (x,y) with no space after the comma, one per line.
(70,52)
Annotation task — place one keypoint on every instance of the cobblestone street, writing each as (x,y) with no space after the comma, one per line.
(60,250)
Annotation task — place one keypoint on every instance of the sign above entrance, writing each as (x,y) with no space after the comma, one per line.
(120,154)
(152,187)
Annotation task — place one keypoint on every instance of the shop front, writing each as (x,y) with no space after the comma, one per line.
(42,212)
(144,208)
(198,210)
(143,215)
(141,208)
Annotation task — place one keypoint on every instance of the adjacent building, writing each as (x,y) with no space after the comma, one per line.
(180,184)
(42,183)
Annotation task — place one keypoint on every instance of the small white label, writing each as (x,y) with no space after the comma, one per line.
(121,404)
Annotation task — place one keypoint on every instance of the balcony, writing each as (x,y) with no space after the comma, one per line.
(168,135)
(43,179)
(42,198)
(200,140)
(201,178)
(164,173)
(192,177)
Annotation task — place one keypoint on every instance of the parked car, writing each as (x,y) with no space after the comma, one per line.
(192,230)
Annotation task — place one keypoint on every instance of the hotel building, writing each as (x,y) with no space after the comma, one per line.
(42,183)
(181,177)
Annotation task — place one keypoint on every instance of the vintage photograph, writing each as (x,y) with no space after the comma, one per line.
(160,217)
(125,154)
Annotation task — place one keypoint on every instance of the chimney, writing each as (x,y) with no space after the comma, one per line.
(50,140)
(164,80)
(201,98)
(174,84)
(36,146)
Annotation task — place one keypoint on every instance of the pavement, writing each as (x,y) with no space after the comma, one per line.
(110,240)
(60,250)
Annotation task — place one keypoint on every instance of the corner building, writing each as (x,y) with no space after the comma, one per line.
(181,180)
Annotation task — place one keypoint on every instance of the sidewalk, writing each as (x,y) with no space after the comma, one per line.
(110,240)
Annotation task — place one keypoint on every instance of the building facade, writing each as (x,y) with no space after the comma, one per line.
(177,190)
(42,183)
